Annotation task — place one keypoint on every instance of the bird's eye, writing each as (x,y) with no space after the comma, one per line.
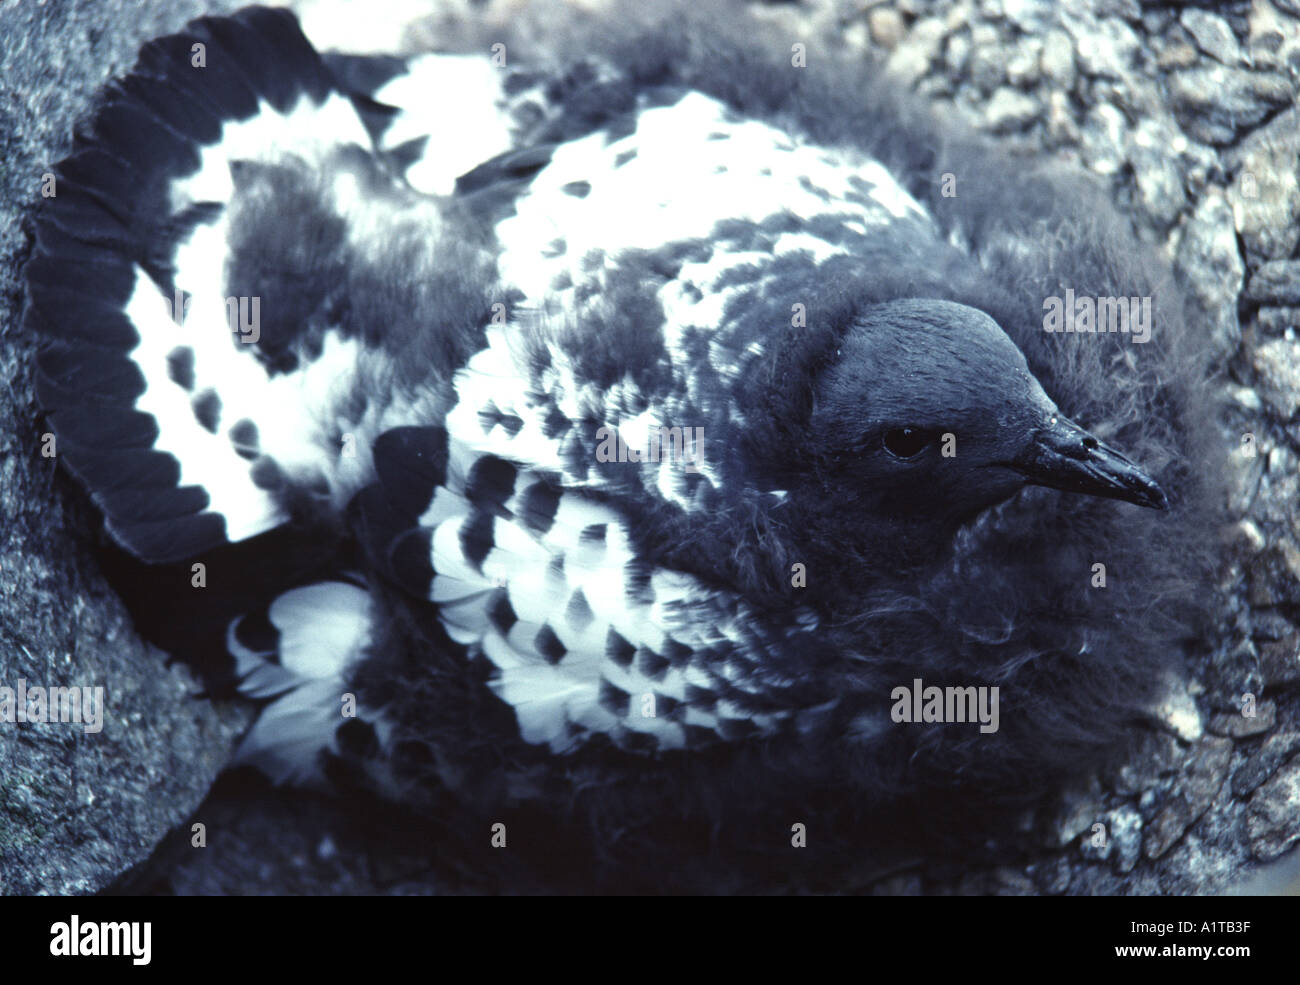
(906,442)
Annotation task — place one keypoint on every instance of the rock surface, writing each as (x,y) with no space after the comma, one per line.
(77,808)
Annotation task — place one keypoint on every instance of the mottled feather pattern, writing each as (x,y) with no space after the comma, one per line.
(585,635)
(489,291)
(626,242)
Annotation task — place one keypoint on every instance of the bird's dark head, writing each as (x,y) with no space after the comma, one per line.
(928,414)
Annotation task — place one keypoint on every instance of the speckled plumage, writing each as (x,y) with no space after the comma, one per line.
(663,234)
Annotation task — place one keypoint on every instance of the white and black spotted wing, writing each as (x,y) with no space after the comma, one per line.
(525,544)
(586,634)
(692,240)
(212,279)
(500,331)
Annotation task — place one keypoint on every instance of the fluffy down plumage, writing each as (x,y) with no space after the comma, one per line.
(396,490)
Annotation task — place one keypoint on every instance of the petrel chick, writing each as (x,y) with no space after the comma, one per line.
(608,438)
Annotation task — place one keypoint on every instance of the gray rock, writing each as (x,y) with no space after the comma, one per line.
(1056,60)
(1061,126)
(1009,111)
(1211,267)
(1270,626)
(1276,282)
(936,87)
(1216,103)
(1271,36)
(918,50)
(1203,851)
(1265,196)
(1052,878)
(1279,491)
(956,54)
(1213,35)
(1250,537)
(1157,175)
(1022,63)
(1278,321)
(1028,15)
(1277,362)
(1235,674)
(886,27)
(1125,827)
(1147,804)
(1176,49)
(1078,810)
(1155,21)
(1273,821)
(1277,878)
(1105,48)
(1098,845)
(1159,757)
(1245,474)
(1102,138)
(1264,761)
(987,68)
(1274,575)
(76,808)
(1242,726)
(1204,776)
(1129,10)
(1280,661)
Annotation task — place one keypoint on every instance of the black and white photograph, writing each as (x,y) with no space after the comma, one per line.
(589,448)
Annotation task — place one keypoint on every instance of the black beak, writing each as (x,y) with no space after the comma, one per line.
(1063,455)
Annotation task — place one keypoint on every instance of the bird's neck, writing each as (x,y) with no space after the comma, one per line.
(853,556)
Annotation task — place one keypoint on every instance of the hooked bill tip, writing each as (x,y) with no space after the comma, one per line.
(1064,456)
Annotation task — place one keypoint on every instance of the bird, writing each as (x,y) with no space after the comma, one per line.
(609,435)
